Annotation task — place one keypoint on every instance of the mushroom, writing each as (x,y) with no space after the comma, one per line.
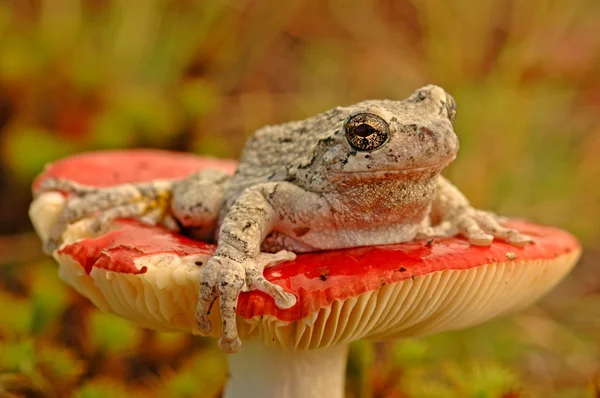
(150,276)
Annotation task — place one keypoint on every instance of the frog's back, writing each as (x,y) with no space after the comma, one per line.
(273,150)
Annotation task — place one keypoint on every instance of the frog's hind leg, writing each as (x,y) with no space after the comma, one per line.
(159,216)
(127,200)
(443,229)
(106,217)
(64,185)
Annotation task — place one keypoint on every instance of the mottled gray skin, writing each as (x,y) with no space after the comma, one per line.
(329,195)
(301,186)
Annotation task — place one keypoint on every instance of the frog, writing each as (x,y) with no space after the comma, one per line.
(360,175)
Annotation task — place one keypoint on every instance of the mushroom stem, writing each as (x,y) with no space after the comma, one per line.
(259,371)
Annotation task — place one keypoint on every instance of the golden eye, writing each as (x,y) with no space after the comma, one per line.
(366,132)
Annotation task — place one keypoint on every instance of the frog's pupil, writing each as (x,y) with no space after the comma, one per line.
(363,130)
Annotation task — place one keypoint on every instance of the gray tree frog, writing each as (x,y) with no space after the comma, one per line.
(367,174)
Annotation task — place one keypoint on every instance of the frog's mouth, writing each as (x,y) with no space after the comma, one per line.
(390,172)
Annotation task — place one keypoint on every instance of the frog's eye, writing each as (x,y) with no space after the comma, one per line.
(451,107)
(366,132)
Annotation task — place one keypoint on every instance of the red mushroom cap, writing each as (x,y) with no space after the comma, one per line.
(150,275)
(107,168)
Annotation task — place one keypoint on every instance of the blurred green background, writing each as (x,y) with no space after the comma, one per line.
(201,76)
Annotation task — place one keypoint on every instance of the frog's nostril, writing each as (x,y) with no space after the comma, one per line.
(451,107)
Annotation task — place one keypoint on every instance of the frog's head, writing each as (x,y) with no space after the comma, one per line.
(413,136)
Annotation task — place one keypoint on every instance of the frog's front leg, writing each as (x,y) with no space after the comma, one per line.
(456,216)
(238,263)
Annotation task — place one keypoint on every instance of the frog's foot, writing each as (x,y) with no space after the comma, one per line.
(442,230)
(478,226)
(226,278)
(74,210)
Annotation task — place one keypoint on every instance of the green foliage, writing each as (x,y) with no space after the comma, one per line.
(103,388)
(18,356)
(48,298)
(361,359)
(112,335)
(16,316)
(26,138)
(473,380)
(196,378)
(60,364)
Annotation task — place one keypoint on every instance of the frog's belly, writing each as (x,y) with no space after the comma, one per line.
(384,215)
(304,240)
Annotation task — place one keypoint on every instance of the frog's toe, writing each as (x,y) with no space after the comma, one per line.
(256,281)
(519,240)
(50,246)
(204,324)
(283,299)
(443,229)
(491,224)
(229,286)
(206,298)
(230,347)
(202,312)
(265,260)
(471,228)
(480,238)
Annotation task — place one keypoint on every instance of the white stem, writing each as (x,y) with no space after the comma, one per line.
(272,372)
